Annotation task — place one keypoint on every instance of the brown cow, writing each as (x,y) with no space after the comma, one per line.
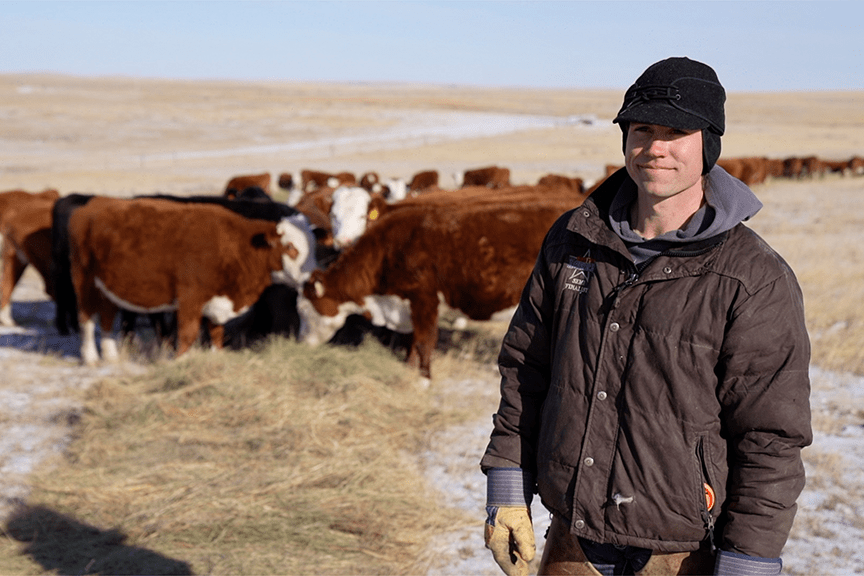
(813,166)
(774,167)
(755,170)
(793,167)
(351,223)
(856,166)
(560,181)
(369,180)
(423,181)
(315,205)
(835,166)
(11,198)
(289,181)
(734,166)
(312,180)
(474,195)
(147,255)
(491,177)
(25,238)
(478,257)
(750,169)
(239,184)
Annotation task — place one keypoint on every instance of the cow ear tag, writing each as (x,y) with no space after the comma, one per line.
(319,289)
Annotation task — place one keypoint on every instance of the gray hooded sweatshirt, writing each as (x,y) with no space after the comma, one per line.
(728,202)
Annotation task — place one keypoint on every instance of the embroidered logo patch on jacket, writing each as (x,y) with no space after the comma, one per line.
(579,270)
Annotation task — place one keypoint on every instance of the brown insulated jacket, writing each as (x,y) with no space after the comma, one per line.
(624,390)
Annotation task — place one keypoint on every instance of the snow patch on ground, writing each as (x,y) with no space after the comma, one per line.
(829,528)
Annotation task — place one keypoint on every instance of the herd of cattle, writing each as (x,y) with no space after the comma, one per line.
(757,169)
(341,257)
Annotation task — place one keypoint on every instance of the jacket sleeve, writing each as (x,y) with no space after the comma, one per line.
(764,391)
(524,363)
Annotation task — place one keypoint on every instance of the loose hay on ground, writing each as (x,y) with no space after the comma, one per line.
(284,460)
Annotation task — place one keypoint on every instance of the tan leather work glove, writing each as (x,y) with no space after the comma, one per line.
(510,537)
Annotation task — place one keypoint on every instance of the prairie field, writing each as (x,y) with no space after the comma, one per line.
(290,460)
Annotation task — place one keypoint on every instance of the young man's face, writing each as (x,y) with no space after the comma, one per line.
(664,161)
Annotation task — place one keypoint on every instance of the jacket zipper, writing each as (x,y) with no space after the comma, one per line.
(703,505)
(631,279)
(707,518)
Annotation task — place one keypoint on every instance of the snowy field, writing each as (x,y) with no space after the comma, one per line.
(119,137)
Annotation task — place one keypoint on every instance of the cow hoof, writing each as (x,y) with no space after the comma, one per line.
(6,319)
(109,350)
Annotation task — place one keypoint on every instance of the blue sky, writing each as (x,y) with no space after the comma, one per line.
(776,45)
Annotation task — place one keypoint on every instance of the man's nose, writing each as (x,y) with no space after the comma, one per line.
(657,147)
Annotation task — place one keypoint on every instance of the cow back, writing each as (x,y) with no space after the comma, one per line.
(147,251)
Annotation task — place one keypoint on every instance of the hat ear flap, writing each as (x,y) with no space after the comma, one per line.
(625,128)
(710,149)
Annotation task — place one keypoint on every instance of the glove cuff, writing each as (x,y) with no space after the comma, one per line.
(509,487)
(734,564)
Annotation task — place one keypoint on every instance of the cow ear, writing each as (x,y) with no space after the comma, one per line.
(260,241)
(319,289)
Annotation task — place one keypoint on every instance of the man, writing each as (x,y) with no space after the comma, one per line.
(654,385)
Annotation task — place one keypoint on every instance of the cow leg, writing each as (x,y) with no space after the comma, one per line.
(89,353)
(110,349)
(87,296)
(11,270)
(188,326)
(128,320)
(217,335)
(65,317)
(424,317)
(93,303)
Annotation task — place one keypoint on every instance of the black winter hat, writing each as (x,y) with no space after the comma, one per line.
(679,93)
(676,92)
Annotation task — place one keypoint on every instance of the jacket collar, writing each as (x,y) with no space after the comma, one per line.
(591,218)
(591,221)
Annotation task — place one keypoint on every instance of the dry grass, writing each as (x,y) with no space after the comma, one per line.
(282,460)
(287,460)
(816,227)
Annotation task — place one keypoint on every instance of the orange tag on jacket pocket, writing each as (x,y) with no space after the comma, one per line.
(710,497)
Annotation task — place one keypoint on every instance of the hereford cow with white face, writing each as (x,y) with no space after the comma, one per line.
(202,261)
(476,257)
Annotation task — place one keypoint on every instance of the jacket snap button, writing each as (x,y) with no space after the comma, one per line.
(586,214)
(601,395)
(667,270)
(614,327)
(580,524)
(589,461)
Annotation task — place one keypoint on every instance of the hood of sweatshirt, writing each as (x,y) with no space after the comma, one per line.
(728,202)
